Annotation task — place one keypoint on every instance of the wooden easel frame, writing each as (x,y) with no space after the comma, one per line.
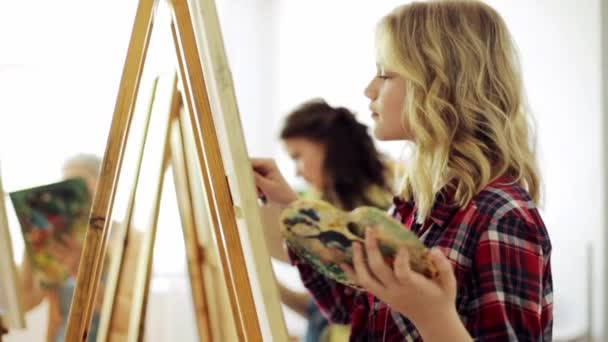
(207,84)
(14,317)
(3,330)
(117,281)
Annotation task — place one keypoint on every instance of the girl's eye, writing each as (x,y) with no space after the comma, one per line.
(382,75)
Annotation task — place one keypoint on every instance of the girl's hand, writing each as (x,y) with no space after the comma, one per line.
(425,302)
(270,182)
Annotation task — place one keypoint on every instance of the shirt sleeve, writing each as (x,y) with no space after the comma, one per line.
(511,295)
(336,301)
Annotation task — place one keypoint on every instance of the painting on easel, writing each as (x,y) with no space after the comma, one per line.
(11,311)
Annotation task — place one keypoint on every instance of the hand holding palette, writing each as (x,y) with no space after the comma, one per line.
(323,235)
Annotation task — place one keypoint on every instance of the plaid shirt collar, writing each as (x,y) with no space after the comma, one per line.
(444,207)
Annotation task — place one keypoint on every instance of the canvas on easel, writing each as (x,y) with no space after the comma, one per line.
(203,143)
(11,310)
(51,216)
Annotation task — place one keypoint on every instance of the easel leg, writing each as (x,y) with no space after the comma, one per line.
(144,268)
(194,252)
(3,330)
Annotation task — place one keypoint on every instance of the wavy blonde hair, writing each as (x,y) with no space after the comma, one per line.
(465,100)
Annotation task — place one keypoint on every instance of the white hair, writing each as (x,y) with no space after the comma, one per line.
(90,162)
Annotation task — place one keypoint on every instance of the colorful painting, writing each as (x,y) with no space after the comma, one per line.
(323,235)
(52,215)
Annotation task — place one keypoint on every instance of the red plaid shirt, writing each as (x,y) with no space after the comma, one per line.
(500,251)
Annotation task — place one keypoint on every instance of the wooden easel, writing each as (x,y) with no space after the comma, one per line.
(13,316)
(203,144)
(3,330)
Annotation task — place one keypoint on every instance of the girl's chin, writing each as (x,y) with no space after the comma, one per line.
(379,134)
(382,135)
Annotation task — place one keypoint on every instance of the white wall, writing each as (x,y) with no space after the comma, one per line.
(249,30)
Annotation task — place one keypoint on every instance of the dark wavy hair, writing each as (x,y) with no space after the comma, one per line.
(352,164)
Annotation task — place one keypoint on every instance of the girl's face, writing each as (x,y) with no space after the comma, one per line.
(387,92)
(309,157)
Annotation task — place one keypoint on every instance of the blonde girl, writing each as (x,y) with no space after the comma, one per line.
(448,81)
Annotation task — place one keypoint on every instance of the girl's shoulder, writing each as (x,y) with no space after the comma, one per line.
(505,208)
(505,197)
